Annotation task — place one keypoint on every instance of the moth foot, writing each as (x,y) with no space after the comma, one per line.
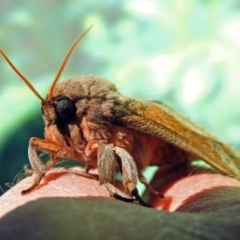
(137,201)
(143,180)
(37,180)
(24,192)
(136,197)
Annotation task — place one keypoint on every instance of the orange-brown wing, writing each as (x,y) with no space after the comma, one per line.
(161,121)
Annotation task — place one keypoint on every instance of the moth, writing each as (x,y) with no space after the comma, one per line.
(87,120)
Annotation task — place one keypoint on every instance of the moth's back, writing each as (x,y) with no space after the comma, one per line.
(84,87)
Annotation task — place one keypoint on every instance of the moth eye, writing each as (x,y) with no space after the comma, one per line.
(65,108)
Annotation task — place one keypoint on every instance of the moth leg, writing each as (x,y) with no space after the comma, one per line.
(51,162)
(106,163)
(91,152)
(129,174)
(143,180)
(36,163)
(88,168)
(106,166)
(37,180)
(114,193)
(27,170)
(169,172)
(106,169)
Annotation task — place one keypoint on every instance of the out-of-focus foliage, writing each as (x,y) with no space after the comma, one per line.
(183,52)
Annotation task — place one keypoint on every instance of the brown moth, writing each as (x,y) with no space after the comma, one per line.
(87,120)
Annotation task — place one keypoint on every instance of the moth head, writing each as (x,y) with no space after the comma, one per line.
(60,109)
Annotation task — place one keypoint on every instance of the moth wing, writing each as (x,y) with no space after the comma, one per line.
(159,120)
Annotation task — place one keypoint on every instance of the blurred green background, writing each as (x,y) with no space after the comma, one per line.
(183,52)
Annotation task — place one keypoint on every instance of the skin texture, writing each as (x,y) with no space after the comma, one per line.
(71,204)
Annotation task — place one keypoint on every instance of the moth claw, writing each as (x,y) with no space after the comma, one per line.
(138,201)
(24,192)
(36,182)
(137,197)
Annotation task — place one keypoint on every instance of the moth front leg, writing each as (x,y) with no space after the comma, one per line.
(106,165)
(105,154)
(37,165)
(97,149)
(129,173)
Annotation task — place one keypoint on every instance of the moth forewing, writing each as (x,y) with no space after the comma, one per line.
(161,121)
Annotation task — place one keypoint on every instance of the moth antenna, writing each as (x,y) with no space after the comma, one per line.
(21,75)
(64,62)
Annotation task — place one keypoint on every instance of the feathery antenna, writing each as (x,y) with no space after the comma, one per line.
(21,76)
(64,63)
(59,72)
